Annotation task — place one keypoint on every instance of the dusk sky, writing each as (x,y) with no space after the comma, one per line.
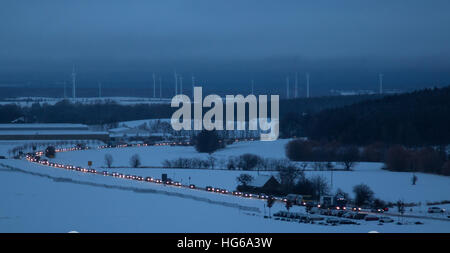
(343,44)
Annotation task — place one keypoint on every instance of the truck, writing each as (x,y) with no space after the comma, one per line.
(298,199)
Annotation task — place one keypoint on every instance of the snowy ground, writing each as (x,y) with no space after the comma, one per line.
(43,199)
(389,186)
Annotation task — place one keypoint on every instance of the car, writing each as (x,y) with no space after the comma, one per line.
(105,173)
(360,216)
(168,182)
(177,183)
(325,212)
(337,213)
(333,221)
(209,188)
(248,195)
(281,214)
(345,221)
(149,179)
(377,210)
(192,186)
(316,218)
(435,209)
(224,191)
(386,219)
(236,193)
(263,196)
(371,218)
(314,210)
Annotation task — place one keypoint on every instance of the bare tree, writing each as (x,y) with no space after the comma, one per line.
(135,161)
(109,160)
(244,179)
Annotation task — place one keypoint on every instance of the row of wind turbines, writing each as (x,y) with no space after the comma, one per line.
(178,83)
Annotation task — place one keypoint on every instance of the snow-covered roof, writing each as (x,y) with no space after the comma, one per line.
(260,181)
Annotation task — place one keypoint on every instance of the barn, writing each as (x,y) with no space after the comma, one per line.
(264,184)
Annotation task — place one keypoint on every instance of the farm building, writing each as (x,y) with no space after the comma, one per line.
(50,132)
(264,183)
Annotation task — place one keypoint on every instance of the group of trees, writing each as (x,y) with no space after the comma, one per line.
(208,142)
(304,150)
(247,162)
(135,160)
(94,114)
(429,160)
(396,157)
(419,118)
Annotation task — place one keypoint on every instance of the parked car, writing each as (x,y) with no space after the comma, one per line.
(316,218)
(325,211)
(371,218)
(314,210)
(337,213)
(348,215)
(333,221)
(435,209)
(346,222)
(360,216)
(386,219)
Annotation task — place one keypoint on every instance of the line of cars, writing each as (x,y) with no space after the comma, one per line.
(37,159)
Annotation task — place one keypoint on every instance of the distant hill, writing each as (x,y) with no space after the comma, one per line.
(417,118)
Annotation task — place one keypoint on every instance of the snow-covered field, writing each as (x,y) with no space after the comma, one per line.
(389,186)
(43,199)
(38,198)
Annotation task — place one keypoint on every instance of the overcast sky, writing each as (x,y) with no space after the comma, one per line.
(123,41)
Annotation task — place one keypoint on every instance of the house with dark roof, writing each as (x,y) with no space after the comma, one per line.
(264,184)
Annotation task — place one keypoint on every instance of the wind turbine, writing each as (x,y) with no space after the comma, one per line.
(74,77)
(154,85)
(287,87)
(307,85)
(380,80)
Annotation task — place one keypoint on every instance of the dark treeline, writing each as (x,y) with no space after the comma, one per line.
(395,157)
(66,112)
(103,113)
(414,119)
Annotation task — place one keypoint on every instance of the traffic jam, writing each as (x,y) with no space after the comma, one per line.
(36,158)
(327,211)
